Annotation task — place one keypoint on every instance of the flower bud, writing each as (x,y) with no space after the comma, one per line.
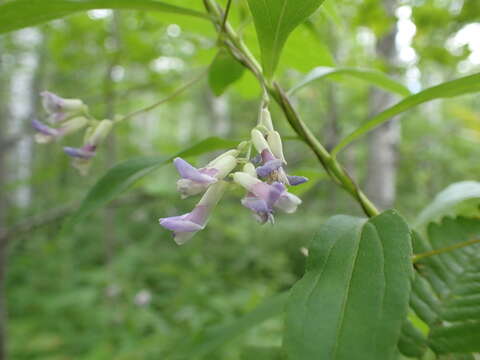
(266,119)
(100,133)
(59,108)
(259,141)
(73,125)
(275,142)
(249,168)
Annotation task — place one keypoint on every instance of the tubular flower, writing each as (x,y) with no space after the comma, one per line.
(264,198)
(82,156)
(195,181)
(272,158)
(46,134)
(185,226)
(60,109)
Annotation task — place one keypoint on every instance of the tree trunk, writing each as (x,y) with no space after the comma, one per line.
(383,141)
(3,208)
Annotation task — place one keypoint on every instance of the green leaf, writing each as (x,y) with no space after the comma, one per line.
(446,291)
(274,21)
(262,353)
(462,198)
(373,77)
(412,343)
(223,72)
(122,176)
(462,86)
(211,339)
(353,299)
(18,14)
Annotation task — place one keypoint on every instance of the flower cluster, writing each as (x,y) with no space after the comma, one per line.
(69,116)
(263,177)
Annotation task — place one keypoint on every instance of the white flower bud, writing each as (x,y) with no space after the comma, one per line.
(266,119)
(249,168)
(259,141)
(100,133)
(275,142)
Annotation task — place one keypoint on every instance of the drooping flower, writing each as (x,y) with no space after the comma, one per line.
(263,198)
(60,109)
(46,134)
(83,155)
(273,161)
(195,181)
(185,226)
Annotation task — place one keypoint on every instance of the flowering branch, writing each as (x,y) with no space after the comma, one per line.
(240,51)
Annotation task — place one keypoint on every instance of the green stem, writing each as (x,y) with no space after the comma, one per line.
(334,169)
(164,100)
(463,244)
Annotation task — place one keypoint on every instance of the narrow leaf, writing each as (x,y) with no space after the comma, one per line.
(124,175)
(462,86)
(274,21)
(372,77)
(223,72)
(18,14)
(353,299)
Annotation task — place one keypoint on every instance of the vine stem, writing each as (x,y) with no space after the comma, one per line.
(460,245)
(171,96)
(240,51)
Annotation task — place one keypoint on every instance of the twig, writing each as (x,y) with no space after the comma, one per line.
(164,100)
(225,17)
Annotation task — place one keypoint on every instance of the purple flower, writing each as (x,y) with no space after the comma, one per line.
(60,109)
(263,197)
(195,181)
(47,134)
(185,226)
(85,152)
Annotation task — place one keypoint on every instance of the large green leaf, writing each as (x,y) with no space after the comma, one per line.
(211,339)
(223,72)
(462,86)
(274,21)
(353,299)
(373,77)
(18,14)
(461,198)
(123,175)
(446,291)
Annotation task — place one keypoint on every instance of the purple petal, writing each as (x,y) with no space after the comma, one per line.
(257,160)
(82,153)
(296,180)
(179,225)
(51,102)
(187,171)
(199,215)
(269,193)
(44,129)
(255,204)
(260,208)
(269,167)
(267,156)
